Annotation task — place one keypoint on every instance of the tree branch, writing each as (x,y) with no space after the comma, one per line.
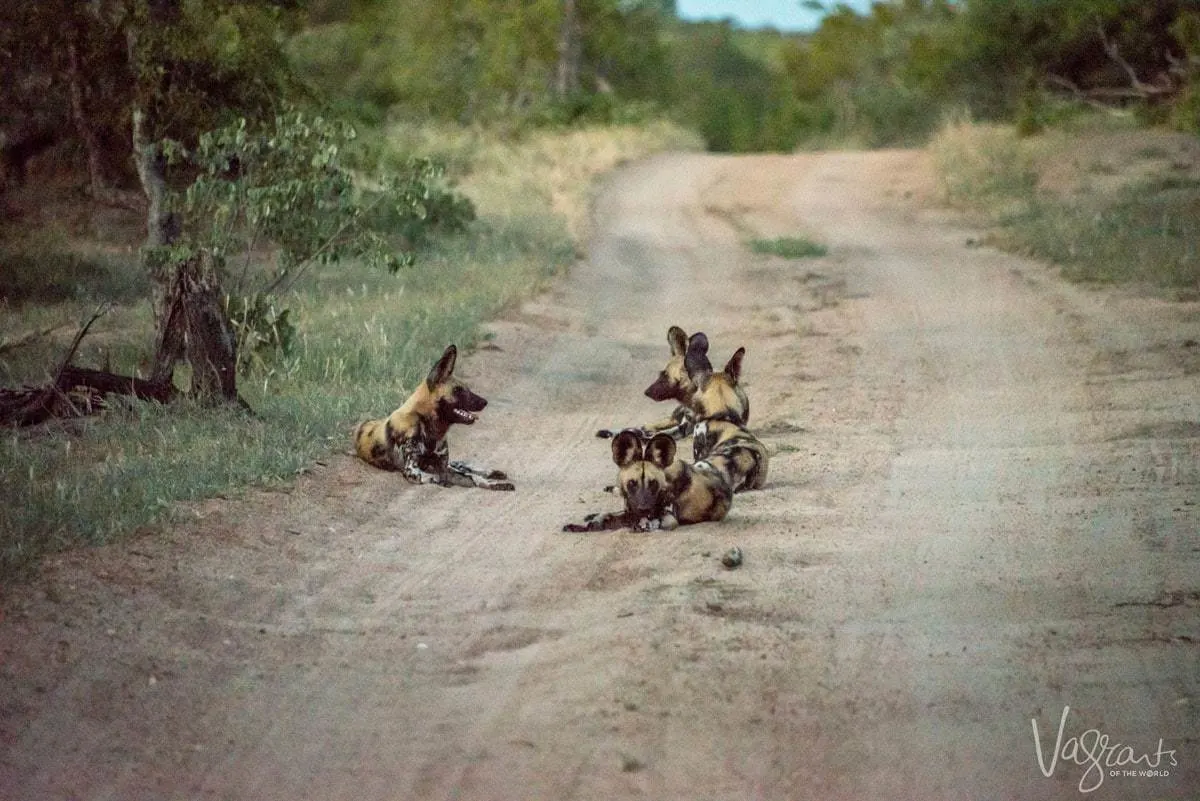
(1140,88)
(1084,97)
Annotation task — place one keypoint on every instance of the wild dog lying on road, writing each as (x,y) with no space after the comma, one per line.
(661,492)
(412,439)
(720,437)
(673,383)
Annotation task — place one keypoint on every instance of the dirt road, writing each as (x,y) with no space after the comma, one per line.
(981,510)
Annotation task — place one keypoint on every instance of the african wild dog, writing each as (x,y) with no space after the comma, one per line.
(720,437)
(674,383)
(661,492)
(412,439)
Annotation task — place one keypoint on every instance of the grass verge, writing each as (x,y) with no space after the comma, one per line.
(1107,205)
(364,338)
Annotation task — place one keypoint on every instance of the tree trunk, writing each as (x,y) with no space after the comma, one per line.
(566,81)
(190,317)
(161,224)
(85,132)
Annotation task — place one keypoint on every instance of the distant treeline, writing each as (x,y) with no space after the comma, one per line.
(75,72)
(888,76)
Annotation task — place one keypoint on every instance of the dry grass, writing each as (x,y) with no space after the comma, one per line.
(983,167)
(541,171)
(1107,204)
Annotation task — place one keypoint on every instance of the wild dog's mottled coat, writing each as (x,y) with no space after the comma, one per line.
(412,439)
(674,383)
(659,490)
(720,437)
(699,491)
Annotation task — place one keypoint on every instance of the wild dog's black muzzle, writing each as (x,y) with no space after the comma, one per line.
(661,389)
(462,405)
(645,498)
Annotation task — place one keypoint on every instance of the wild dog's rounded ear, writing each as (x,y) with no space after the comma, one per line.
(626,447)
(661,450)
(442,371)
(733,367)
(678,340)
(696,361)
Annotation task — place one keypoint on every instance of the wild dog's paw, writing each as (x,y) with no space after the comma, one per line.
(576,528)
(497,475)
(665,523)
(611,488)
(501,486)
(605,433)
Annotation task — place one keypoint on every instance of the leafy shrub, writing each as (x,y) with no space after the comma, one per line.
(288,189)
(263,330)
(431,207)
(289,186)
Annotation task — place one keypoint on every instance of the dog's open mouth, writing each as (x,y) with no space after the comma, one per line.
(463,416)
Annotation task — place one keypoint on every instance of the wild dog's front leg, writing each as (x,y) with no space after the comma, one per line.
(681,424)
(466,469)
(413,460)
(600,521)
(478,477)
(678,425)
(678,430)
(411,469)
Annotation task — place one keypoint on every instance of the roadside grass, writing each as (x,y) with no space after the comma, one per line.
(364,339)
(1147,233)
(789,247)
(1107,206)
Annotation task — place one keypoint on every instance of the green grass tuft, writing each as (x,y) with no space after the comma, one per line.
(789,247)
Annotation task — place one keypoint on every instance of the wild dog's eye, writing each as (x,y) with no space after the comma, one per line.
(653,485)
(632,483)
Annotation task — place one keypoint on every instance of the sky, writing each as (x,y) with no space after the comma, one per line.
(786,15)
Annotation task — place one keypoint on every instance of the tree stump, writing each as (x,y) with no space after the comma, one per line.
(193,325)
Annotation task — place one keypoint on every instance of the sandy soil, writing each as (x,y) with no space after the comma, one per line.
(981,509)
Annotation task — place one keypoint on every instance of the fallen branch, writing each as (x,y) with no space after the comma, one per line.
(75,391)
(100,311)
(106,383)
